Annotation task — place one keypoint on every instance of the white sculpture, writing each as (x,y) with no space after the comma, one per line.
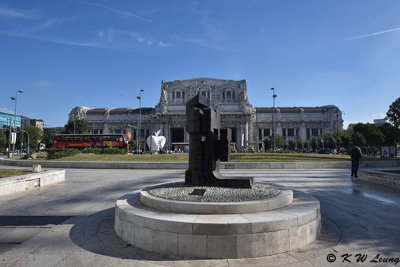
(156,142)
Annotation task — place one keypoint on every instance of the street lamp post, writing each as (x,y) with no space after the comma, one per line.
(9,140)
(139,135)
(15,118)
(273,118)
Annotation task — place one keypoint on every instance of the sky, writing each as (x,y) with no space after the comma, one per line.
(98,53)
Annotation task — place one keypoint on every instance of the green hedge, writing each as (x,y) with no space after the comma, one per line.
(55,153)
(113,150)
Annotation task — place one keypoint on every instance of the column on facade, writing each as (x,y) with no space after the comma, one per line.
(169,137)
(242,132)
(246,134)
(278,128)
(303,132)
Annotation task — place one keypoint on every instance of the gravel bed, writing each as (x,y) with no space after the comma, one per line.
(181,192)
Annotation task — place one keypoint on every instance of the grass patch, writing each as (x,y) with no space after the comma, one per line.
(125,157)
(12,172)
(249,157)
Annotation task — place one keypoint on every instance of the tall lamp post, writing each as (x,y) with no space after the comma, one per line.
(139,134)
(15,119)
(273,118)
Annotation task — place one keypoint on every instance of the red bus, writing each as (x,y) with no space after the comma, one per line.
(89,140)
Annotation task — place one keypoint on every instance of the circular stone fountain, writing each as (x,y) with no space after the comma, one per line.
(217,222)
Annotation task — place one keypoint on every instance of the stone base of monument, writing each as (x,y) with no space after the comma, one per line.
(183,221)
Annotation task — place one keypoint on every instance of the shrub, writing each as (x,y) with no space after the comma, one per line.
(110,150)
(54,153)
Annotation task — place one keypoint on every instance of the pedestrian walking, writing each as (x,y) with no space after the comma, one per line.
(356,157)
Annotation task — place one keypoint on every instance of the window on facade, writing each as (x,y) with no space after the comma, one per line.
(267,132)
(178,95)
(173,95)
(260,135)
(233,94)
(228,94)
(290,132)
(308,134)
(205,93)
(314,131)
(284,132)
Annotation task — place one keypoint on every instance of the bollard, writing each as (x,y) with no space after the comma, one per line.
(36,168)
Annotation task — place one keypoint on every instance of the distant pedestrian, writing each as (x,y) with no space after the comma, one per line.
(356,157)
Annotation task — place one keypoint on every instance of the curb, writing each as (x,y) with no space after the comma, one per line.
(185,165)
(22,183)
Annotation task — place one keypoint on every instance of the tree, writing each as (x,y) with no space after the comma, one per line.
(48,139)
(358,139)
(280,141)
(292,145)
(35,135)
(306,145)
(329,141)
(373,137)
(390,132)
(299,144)
(345,139)
(268,143)
(393,114)
(314,143)
(80,126)
(2,140)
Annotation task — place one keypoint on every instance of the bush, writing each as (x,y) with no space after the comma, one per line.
(54,153)
(110,150)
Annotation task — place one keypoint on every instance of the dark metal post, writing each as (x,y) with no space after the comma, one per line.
(140,119)
(273,118)
(15,119)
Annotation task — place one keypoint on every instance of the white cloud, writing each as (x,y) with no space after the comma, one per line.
(124,38)
(54,40)
(106,39)
(125,13)
(212,36)
(50,23)
(373,34)
(6,110)
(164,44)
(43,83)
(17,14)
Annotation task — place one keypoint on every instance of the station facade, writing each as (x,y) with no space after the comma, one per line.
(250,125)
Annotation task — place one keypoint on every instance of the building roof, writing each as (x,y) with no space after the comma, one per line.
(295,109)
(144,110)
(204,78)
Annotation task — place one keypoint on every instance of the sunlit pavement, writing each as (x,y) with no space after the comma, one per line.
(71,224)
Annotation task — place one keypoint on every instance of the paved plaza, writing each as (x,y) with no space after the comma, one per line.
(71,224)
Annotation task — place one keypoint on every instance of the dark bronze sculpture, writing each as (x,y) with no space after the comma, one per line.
(208,144)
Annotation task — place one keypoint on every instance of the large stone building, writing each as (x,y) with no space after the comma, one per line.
(250,126)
